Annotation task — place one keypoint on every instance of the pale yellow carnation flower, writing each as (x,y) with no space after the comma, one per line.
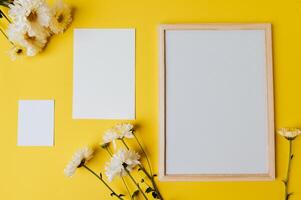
(61,17)
(289,133)
(82,156)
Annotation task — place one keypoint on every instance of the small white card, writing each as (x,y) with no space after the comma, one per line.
(104,74)
(36,123)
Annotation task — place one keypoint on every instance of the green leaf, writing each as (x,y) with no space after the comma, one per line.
(135,193)
(148,190)
(155,195)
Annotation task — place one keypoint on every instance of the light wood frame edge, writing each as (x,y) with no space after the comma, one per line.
(270,104)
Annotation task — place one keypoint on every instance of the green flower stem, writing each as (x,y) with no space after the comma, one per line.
(123,142)
(3,33)
(150,176)
(6,37)
(109,152)
(111,155)
(142,149)
(135,182)
(100,178)
(152,179)
(3,14)
(128,190)
(287,178)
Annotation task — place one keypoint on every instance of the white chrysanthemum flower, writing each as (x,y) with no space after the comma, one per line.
(115,166)
(80,157)
(110,136)
(289,133)
(19,34)
(119,131)
(124,130)
(16,52)
(34,14)
(61,17)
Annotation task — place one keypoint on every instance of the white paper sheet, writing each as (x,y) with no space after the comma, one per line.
(36,123)
(216,97)
(104,74)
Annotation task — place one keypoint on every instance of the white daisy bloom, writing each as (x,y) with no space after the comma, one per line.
(19,34)
(119,131)
(110,136)
(289,133)
(61,17)
(34,14)
(124,130)
(80,157)
(115,166)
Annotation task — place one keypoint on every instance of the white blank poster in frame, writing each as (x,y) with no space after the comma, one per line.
(216,102)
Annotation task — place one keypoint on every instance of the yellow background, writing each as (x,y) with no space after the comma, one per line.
(36,173)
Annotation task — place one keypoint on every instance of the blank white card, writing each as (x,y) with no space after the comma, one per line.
(36,123)
(104,74)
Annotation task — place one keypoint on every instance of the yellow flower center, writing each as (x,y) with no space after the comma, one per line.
(19,51)
(60,18)
(29,38)
(32,17)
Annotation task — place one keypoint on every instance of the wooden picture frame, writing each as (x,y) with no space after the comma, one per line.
(163,74)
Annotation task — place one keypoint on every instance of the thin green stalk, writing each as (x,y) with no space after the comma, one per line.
(128,190)
(123,142)
(151,178)
(287,178)
(142,149)
(6,37)
(149,175)
(135,182)
(111,155)
(4,33)
(96,175)
(109,152)
(3,14)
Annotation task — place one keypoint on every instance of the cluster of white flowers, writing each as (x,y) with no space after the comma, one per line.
(116,166)
(81,156)
(289,133)
(119,131)
(121,159)
(122,163)
(33,22)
